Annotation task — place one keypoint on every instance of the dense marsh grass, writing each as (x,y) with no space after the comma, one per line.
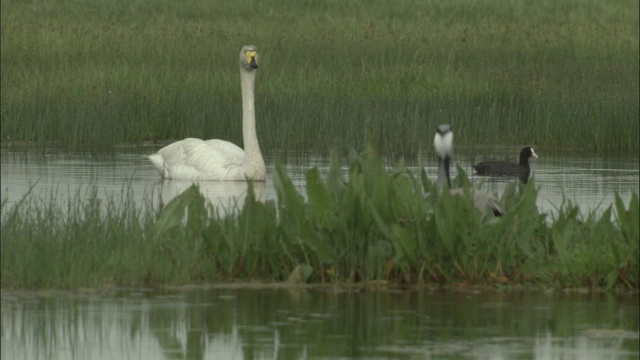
(376,226)
(549,73)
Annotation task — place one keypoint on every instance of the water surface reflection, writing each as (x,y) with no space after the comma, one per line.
(588,181)
(272,323)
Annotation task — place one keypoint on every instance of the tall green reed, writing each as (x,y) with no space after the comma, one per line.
(550,74)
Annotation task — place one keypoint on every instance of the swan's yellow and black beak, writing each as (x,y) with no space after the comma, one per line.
(252,58)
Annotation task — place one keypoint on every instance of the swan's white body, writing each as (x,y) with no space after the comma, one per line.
(443,144)
(195,159)
(443,141)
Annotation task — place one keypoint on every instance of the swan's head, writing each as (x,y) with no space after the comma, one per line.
(249,57)
(443,142)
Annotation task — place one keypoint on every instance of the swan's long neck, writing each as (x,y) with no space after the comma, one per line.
(443,173)
(252,154)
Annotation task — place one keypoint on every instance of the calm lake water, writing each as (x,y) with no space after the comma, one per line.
(587,180)
(269,323)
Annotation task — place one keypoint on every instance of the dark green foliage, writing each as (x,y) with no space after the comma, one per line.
(374,225)
(627,261)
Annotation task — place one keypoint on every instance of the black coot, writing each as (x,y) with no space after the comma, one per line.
(506,168)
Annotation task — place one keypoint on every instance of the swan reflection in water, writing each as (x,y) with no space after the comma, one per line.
(223,195)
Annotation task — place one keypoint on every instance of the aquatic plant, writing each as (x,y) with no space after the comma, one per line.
(374,225)
(550,73)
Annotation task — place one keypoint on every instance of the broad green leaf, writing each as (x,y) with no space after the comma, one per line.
(335,180)
(461,180)
(405,240)
(173,213)
(288,197)
(317,243)
(629,220)
(319,198)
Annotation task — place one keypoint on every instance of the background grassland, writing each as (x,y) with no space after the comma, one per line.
(548,73)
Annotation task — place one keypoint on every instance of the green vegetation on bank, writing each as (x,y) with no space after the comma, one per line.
(375,226)
(550,73)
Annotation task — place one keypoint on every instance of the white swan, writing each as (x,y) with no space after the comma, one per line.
(195,159)
(443,144)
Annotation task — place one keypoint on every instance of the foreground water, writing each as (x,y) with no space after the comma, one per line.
(586,180)
(280,323)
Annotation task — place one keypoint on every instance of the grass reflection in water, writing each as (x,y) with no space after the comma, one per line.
(292,323)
